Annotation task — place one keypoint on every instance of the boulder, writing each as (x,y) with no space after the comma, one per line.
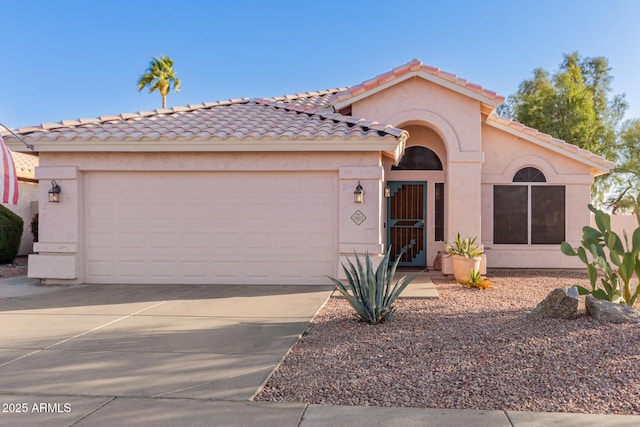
(561,303)
(611,312)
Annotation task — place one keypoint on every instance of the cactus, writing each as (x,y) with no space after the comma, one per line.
(618,269)
(372,292)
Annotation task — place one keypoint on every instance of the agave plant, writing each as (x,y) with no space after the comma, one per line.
(477,281)
(370,291)
(465,247)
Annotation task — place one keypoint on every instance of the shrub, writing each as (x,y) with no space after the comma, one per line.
(34,227)
(371,292)
(624,257)
(10,234)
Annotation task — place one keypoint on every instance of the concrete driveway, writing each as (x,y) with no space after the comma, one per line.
(88,344)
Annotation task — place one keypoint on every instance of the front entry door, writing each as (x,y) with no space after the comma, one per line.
(406,215)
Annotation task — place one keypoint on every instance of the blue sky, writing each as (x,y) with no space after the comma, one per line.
(74,59)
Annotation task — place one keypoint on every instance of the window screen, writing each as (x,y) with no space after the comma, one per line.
(547,214)
(510,214)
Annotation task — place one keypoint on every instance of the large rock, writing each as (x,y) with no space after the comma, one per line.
(561,303)
(611,312)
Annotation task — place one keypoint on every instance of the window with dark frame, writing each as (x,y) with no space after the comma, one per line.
(533,213)
(547,214)
(438,232)
(510,216)
(419,158)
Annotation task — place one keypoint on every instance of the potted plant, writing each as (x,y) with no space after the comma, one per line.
(466,257)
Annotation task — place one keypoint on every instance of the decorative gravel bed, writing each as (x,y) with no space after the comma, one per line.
(469,349)
(17,268)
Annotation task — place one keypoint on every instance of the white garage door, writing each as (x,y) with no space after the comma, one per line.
(203,227)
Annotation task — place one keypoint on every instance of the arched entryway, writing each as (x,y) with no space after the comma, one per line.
(415,198)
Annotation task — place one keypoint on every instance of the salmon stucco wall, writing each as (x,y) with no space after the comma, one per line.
(456,119)
(410,100)
(505,154)
(60,257)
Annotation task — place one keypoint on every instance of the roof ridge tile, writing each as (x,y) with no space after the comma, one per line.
(414,66)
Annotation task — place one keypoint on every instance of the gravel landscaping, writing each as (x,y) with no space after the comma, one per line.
(17,268)
(469,349)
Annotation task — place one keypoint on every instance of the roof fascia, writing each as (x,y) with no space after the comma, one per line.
(548,146)
(426,76)
(388,144)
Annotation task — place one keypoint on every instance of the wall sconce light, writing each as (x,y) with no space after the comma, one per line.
(387,192)
(358,195)
(54,193)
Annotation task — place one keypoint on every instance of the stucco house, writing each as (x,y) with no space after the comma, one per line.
(27,206)
(279,190)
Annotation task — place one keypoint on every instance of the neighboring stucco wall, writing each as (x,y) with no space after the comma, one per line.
(27,207)
(61,224)
(620,224)
(505,154)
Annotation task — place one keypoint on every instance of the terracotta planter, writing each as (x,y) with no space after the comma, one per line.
(462,266)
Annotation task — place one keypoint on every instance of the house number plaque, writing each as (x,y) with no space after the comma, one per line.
(358,217)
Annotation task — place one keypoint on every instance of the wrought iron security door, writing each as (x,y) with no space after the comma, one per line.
(406,215)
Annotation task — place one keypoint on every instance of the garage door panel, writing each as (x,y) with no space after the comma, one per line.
(197,227)
(194,240)
(100,269)
(132,269)
(259,240)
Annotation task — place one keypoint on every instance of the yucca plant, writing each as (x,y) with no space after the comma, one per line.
(370,291)
(477,281)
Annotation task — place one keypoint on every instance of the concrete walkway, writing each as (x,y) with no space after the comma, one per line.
(21,286)
(175,355)
(110,411)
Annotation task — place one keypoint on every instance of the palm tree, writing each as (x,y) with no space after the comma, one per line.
(160,76)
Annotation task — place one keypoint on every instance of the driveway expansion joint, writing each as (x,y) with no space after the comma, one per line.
(94,410)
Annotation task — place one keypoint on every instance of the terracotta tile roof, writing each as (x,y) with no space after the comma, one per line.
(25,164)
(234,119)
(548,139)
(241,118)
(415,66)
(309,115)
(103,119)
(310,102)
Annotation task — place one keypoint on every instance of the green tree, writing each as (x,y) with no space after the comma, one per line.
(160,76)
(625,178)
(574,104)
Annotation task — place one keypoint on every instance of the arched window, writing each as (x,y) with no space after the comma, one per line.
(528,211)
(419,158)
(529,174)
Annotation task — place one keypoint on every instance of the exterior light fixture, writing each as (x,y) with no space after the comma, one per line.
(358,195)
(387,192)
(54,193)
